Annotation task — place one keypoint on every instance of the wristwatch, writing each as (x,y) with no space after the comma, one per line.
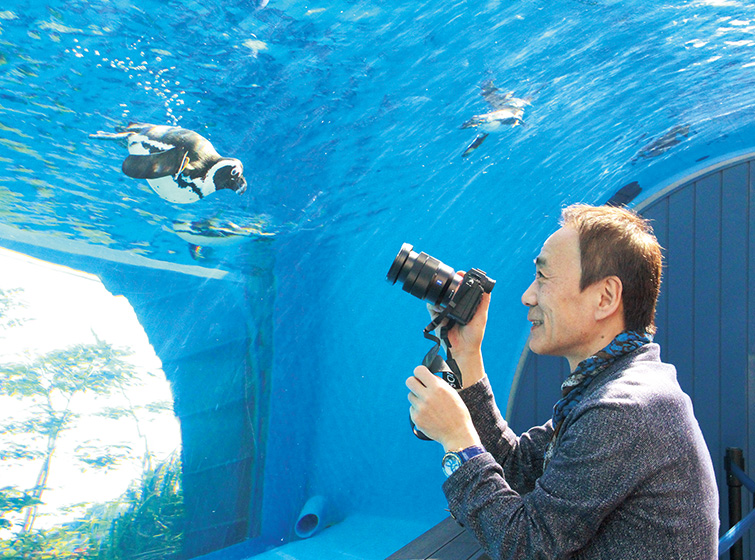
(452,460)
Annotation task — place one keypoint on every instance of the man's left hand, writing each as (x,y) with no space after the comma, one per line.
(438,411)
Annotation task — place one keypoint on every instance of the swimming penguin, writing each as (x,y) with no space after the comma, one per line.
(204,235)
(661,145)
(507,111)
(180,165)
(217,232)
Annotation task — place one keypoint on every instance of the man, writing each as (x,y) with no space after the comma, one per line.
(621,471)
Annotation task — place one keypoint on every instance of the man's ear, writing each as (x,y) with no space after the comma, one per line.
(609,293)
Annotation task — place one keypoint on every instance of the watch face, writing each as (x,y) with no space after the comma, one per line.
(451,462)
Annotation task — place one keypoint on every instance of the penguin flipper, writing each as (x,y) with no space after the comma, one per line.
(474,145)
(110,135)
(120,137)
(154,166)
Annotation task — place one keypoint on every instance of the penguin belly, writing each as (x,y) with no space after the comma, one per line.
(170,190)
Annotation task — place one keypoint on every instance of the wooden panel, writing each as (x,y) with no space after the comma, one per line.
(547,376)
(750,454)
(658,215)
(520,410)
(734,248)
(678,286)
(734,228)
(463,547)
(538,390)
(706,239)
(446,541)
(550,373)
(750,390)
(430,542)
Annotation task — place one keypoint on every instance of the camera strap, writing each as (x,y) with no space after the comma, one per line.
(448,368)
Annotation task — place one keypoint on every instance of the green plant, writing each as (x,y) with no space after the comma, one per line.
(151,526)
(49,383)
(145,523)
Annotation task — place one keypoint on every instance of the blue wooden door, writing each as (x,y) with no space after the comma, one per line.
(705,316)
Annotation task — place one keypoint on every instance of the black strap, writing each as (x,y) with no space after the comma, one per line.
(448,368)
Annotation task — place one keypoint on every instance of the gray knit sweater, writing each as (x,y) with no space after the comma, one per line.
(630,477)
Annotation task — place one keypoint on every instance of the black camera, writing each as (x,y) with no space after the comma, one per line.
(457,296)
(429,279)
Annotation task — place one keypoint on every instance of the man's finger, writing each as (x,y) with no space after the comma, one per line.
(414,385)
(423,375)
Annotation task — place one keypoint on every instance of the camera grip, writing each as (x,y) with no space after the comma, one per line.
(418,433)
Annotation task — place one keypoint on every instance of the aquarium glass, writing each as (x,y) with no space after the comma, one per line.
(262,375)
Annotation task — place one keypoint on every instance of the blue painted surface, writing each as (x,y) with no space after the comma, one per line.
(347,118)
(707,295)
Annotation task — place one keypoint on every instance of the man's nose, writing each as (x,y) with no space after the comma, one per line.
(528,297)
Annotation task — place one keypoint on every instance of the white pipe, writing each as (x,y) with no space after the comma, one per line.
(311,518)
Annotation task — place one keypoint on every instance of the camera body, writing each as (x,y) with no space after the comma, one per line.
(429,279)
(465,301)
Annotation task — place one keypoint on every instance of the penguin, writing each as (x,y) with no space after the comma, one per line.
(204,235)
(180,165)
(217,232)
(507,111)
(661,145)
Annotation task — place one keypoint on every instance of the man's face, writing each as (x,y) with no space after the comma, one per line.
(561,315)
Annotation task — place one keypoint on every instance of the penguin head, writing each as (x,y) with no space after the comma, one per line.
(229,174)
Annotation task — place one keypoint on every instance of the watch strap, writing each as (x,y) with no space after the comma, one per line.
(452,460)
(469,452)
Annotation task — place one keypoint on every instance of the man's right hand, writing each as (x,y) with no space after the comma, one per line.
(466,342)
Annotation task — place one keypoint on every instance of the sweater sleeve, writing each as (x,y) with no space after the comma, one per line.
(521,457)
(585,481)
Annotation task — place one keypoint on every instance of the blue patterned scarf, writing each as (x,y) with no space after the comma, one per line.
(575,386)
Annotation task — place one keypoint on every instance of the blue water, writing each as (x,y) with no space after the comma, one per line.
(347,118)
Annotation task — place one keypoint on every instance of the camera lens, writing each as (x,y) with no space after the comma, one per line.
(398,264)
(423,276)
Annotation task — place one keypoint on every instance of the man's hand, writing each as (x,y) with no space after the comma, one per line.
(438,411)
(466,342)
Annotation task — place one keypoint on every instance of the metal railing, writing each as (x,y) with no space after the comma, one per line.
(735,479)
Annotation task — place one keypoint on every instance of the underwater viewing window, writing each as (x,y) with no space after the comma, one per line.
(89,443)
